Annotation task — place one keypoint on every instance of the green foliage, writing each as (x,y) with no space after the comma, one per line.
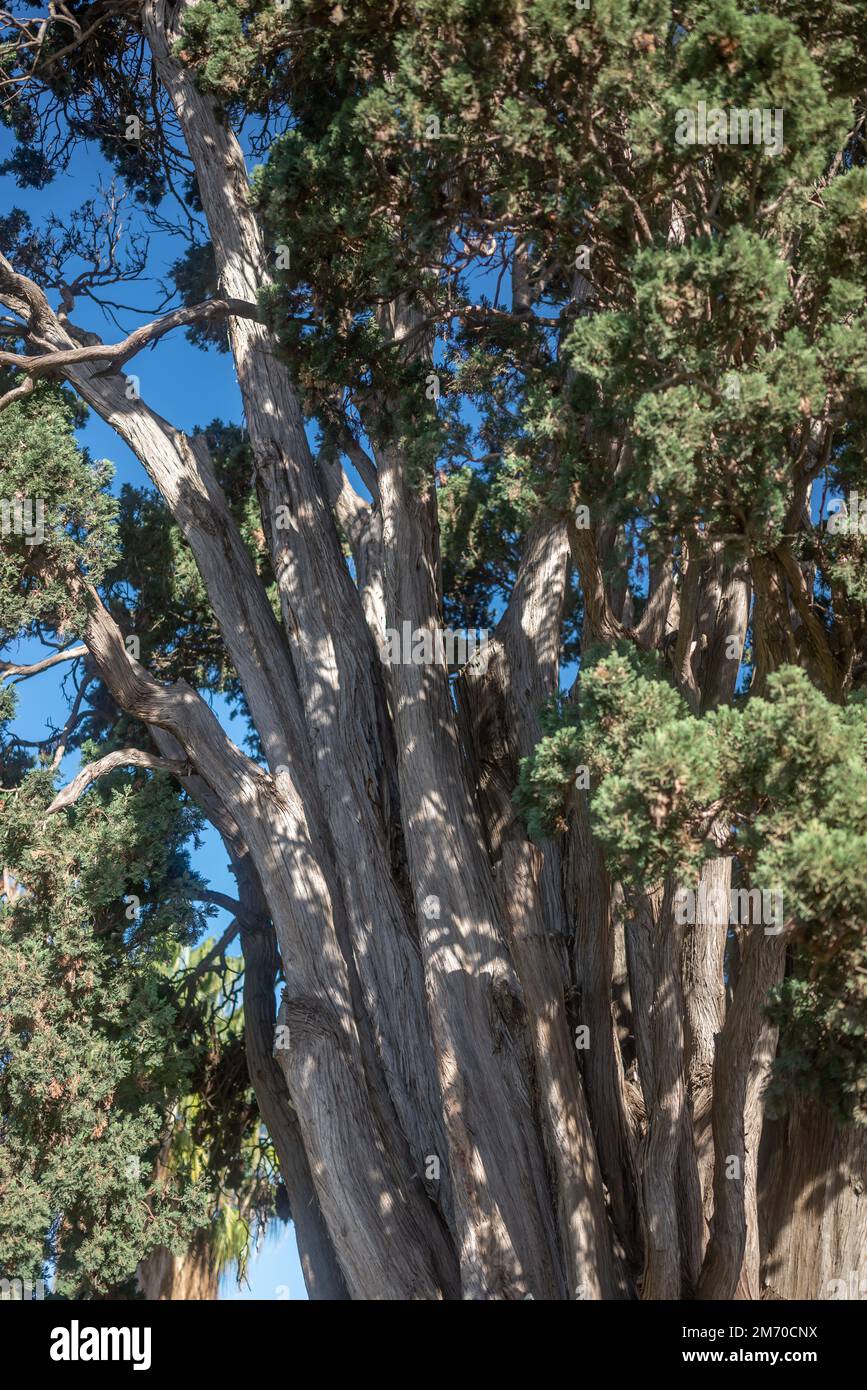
(194,277)
(453,155)
(42,464)
(708,355)
(128,1118)
(91,1056)
(787,775)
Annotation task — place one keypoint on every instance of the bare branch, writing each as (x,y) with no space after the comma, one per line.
(218,949)
(17,393)
(71,723)
(123,757)
(10,668)
(116,354)
(210,895)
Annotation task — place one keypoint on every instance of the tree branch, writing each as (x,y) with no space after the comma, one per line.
(123,757)
(218,949)
(210,895)
(116,354)
(11,668)
(603,625)
(72,722)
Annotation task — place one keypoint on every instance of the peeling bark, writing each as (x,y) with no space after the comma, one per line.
(433,956)
(814,1231)
(671,1185)
(382,1233)
(500,716)
(336,666)
(506,1232)
(704,947)
(613,1123)
(761,968)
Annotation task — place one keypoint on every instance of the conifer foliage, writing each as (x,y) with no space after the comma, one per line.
(550,319)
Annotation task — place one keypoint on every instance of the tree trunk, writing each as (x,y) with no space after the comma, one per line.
(812,1188)
(163,1276)
(348,742)
(323,1276)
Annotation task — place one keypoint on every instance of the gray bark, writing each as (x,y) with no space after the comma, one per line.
(337,672)
(381,1229)
(814,1230)
(323,1276)
(505,1224)
(761,968)
(431,953)
(500,718)
(671,1186)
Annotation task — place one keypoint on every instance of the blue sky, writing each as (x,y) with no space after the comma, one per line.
(189,387)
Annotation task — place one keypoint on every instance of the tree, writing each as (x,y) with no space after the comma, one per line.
(130,1135)
(544,317)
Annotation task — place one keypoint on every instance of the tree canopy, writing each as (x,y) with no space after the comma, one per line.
(547,319)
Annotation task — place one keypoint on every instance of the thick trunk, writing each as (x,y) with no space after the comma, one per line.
(539,958)
(723,615)
(337,669)
(436,1133)
(749,1283)
(323,1276)
(773,628)
(737,1108)
(381,1228)
(192,1275)
(672,1195)
(814,1207)
(612,1116)
(506,1230)
(704,946)
(499,709)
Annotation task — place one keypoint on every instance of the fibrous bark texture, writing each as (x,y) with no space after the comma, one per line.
(492,1065)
